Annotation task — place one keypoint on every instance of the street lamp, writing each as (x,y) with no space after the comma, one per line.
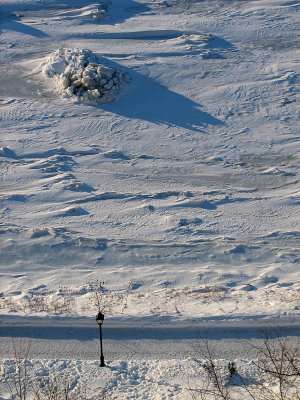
(100,319)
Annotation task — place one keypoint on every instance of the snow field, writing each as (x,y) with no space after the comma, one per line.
(182,195)
(186,188)
(120,380)
(264,296)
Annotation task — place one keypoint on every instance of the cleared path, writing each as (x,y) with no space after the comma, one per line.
(139,339)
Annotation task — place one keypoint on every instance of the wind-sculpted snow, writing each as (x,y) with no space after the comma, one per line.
(178,189)
(78,9)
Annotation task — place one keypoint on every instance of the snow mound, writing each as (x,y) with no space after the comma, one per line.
(82,74)
(6,152)
(95,11)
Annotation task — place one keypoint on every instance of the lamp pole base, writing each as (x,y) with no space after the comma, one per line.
(102,364)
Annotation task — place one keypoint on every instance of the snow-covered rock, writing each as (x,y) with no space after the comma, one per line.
(81,74)
(101,10)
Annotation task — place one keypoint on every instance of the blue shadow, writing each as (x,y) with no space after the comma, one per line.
(148,100)
(121,10)
(24,29)
(158,34)
(87,329)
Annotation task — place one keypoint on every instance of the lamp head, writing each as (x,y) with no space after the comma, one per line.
(100,318)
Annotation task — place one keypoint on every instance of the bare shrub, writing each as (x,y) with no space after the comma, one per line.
(19,382)
(278,367)
(53,387)
(214,378)
(105,300)
(8,304)
(128,291)
(62,302)
(276,372)
(35,303)
(24,383)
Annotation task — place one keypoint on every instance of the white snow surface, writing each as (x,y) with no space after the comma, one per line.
(180,191)
(151,380)
(183,194)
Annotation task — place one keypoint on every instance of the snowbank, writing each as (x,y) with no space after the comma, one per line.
(84,75)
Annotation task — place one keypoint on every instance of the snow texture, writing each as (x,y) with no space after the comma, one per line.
(183,194)
(119,380)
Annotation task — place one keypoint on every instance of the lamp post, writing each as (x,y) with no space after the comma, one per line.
(100,319)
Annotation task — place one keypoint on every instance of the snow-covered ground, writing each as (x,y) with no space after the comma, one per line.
(185,188)
(182,194)
(152,361)
(149,380)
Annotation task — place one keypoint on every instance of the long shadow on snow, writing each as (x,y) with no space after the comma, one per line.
(121,10)
(43,5)
(158,34)
(11,22)
(24,29)
(89,331)
(150,101)
(219,43)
